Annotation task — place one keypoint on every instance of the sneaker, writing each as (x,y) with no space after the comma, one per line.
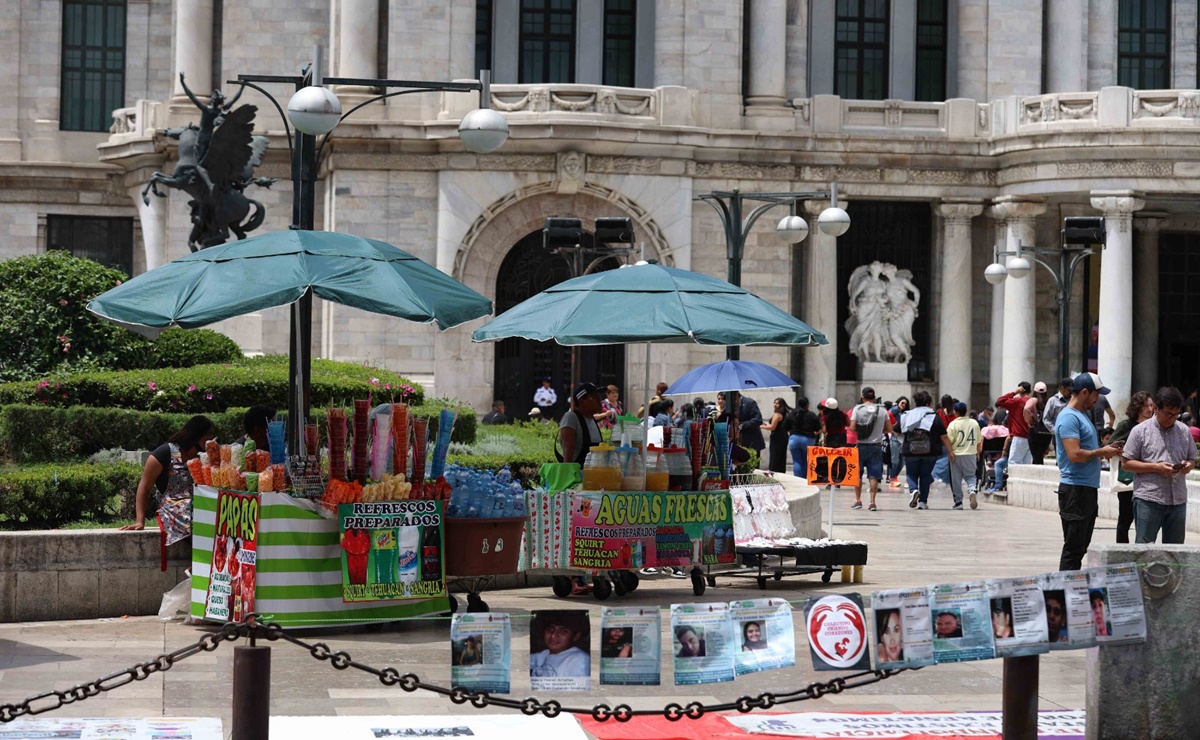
(649,571)
(872,507)
(974,501)
(958,506)
(856,505)
(912,501)
(922,506)
(678,573)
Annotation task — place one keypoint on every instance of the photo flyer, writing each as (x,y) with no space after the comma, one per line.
(637,530)
(234,571)
(962,623)
(481,652)
(903,629)
(836,626)
(1018,616)
(560,650)
(700,643)
(631,646)
(764,635)
(1069,622)
(392,550)
(1115,600)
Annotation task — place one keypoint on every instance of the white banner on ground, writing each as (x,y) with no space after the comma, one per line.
(1115,600)
(114,728)
(1068,611)
(473,724)
(1055,725)
(903,628)
(1018,616)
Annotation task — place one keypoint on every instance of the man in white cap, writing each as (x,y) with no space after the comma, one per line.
(1078,456)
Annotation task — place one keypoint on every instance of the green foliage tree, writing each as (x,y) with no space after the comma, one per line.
(177,347)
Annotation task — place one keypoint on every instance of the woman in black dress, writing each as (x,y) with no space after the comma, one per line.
(777,426)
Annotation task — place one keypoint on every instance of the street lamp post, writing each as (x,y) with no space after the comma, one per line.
(730,206)
(1079,234)
(314,111)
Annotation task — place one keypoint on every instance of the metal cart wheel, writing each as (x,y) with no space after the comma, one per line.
(762,583)
(562,586)
(828,574)
(476,605)
(698,583)
(453,603)
(712,581)
(618,582)
(778,576)
(601,587)
(631,581)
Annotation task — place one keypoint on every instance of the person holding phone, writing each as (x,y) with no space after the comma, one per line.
(1160,453)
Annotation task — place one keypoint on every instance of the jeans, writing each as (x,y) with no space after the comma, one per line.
(1077,507)
(1019,453)
(893,458)
(799,444)
(1150,516)
(1124,515)
(870,461)
(941,469)
(1001,473)
(962,469)
(920,469)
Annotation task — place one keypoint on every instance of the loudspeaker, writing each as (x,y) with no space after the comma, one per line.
(614,230)
(562,232)
(1084,230)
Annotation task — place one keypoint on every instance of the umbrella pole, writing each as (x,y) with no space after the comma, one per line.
(301,371)
(646,416)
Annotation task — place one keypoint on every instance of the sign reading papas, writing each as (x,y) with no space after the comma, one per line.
(392,550)
(234,557)
(645,529)
(836,466)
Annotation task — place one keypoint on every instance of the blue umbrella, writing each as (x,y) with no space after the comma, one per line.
(730,376)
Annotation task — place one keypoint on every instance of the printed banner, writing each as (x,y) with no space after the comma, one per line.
(765,633)
(962,625)
(630,646)
(837,633)
(1069,622)
(164,728)
(234,558)
(1018,616)
(1052,725)
(833,465)
(903,628)
(392,550)
(700,643)
(1115,598)
(481,652)
(560,650)
(653,529)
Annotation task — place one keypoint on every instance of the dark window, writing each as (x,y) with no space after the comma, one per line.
(93,64)
(1179,305)
(1144,44)
(108,241)
(483,35)
(620,26)
(896,233)
(547,41)
(861,49)
(931,50)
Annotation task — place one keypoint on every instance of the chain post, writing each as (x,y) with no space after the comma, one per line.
(1020,699)
(251,692)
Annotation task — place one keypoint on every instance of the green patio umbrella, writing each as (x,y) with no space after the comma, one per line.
(281,268)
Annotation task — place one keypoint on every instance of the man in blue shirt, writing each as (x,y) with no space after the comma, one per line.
(1078,456)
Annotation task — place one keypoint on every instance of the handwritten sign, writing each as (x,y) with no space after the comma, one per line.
(833,465)
(231,581)
(643,529)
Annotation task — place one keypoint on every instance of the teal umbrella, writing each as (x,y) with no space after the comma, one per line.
(277,269)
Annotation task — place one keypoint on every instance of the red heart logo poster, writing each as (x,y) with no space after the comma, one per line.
(837,633)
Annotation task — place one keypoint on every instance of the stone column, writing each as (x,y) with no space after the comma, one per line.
(193,50)
(153,218)
(1067,26)
(1145,312)
(768,58)
(1020,296)
(358,48)
(821,311)
(957,279)
(1114,354)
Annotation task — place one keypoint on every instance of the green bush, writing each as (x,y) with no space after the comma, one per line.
(212,388)
(45,327)
(177,347)
(49,496)
(465,424)
(534,442)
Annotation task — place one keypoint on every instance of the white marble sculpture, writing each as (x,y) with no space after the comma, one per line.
(883,307)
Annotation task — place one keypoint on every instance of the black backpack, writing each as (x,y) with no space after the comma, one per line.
(918,441)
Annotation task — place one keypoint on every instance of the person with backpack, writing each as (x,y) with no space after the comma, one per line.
(924,439)
(578,431)
(870,422)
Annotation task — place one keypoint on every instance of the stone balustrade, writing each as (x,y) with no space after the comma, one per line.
(138,121)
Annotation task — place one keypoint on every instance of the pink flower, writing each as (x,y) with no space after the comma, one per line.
(191,388)
(119,282)
(387,386)
(67,347)
(208,397)
(43,384)
(375,381)
(150,384)
(62,301)
(64,338)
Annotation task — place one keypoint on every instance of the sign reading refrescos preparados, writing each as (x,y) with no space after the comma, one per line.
(392,550)
(636,529)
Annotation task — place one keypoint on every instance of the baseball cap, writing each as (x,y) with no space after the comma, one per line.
(1039,387)
(960,408)
(1089,382)
(585,389)
(868,393)
(831,403)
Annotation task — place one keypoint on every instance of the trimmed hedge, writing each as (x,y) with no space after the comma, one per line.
(177,347)
(49,496)
(535,441)
(43,433)
(206,389)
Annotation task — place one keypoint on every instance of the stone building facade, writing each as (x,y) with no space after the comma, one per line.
(949,126)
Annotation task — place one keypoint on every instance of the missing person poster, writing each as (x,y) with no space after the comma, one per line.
(764,635)
(1115,600)
(700,643)
(1018,616)
(234,558)
(836,626)
(903,630)
(560,650)
(962,625)
(481,652)
(392,550)
(636,530)
(1069,622)
(631,646)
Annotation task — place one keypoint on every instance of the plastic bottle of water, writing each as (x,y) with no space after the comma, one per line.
(517,494)
(504,476)
(499,503)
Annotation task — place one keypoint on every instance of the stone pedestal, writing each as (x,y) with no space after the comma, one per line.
(889,379)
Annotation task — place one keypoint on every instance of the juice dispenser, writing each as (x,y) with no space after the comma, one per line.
(657,472)
(600,470)
(633,472)
(679,469)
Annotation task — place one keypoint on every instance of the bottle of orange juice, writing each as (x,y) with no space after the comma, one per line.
(657,474)
(600,470)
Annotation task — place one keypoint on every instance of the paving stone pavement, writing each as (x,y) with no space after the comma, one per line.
(907,548)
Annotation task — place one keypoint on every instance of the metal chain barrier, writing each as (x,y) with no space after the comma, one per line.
(388,676)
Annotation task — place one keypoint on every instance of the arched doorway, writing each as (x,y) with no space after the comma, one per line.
(521,363)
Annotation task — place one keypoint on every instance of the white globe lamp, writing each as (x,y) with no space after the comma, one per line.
(792,229)
(314,110)
(1019,267)
(995,273)
(833,221)
(483,130)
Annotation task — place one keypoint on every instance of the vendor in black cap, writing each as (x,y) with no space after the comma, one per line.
(577,431)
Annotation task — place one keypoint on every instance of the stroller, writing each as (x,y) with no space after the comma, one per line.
(993,450)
